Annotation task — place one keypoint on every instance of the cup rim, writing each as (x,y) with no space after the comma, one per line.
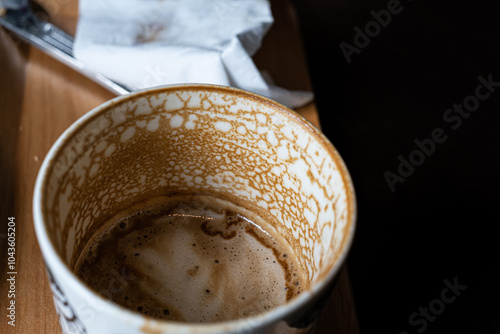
(134,318)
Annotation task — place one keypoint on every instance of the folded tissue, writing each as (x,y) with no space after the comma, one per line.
(146,43)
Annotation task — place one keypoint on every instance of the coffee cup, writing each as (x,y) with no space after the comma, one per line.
(192,140)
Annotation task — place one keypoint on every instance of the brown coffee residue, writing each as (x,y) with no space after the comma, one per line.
(282,259)
(222,231)
(187,258)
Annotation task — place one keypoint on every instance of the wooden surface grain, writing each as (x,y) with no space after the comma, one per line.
(40,98)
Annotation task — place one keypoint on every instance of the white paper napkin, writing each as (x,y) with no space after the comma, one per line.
(146,43)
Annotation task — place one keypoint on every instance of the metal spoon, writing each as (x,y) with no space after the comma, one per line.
(17,17)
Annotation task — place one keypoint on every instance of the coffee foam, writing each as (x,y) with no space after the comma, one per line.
(191,258)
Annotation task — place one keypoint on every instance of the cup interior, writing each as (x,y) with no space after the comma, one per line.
(200,139)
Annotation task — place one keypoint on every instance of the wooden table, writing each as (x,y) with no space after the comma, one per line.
(40,97)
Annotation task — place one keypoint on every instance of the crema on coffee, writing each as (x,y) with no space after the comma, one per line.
(191,258)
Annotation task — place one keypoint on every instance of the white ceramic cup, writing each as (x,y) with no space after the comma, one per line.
(200,139)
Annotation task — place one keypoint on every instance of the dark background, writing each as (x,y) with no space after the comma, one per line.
(441,222)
